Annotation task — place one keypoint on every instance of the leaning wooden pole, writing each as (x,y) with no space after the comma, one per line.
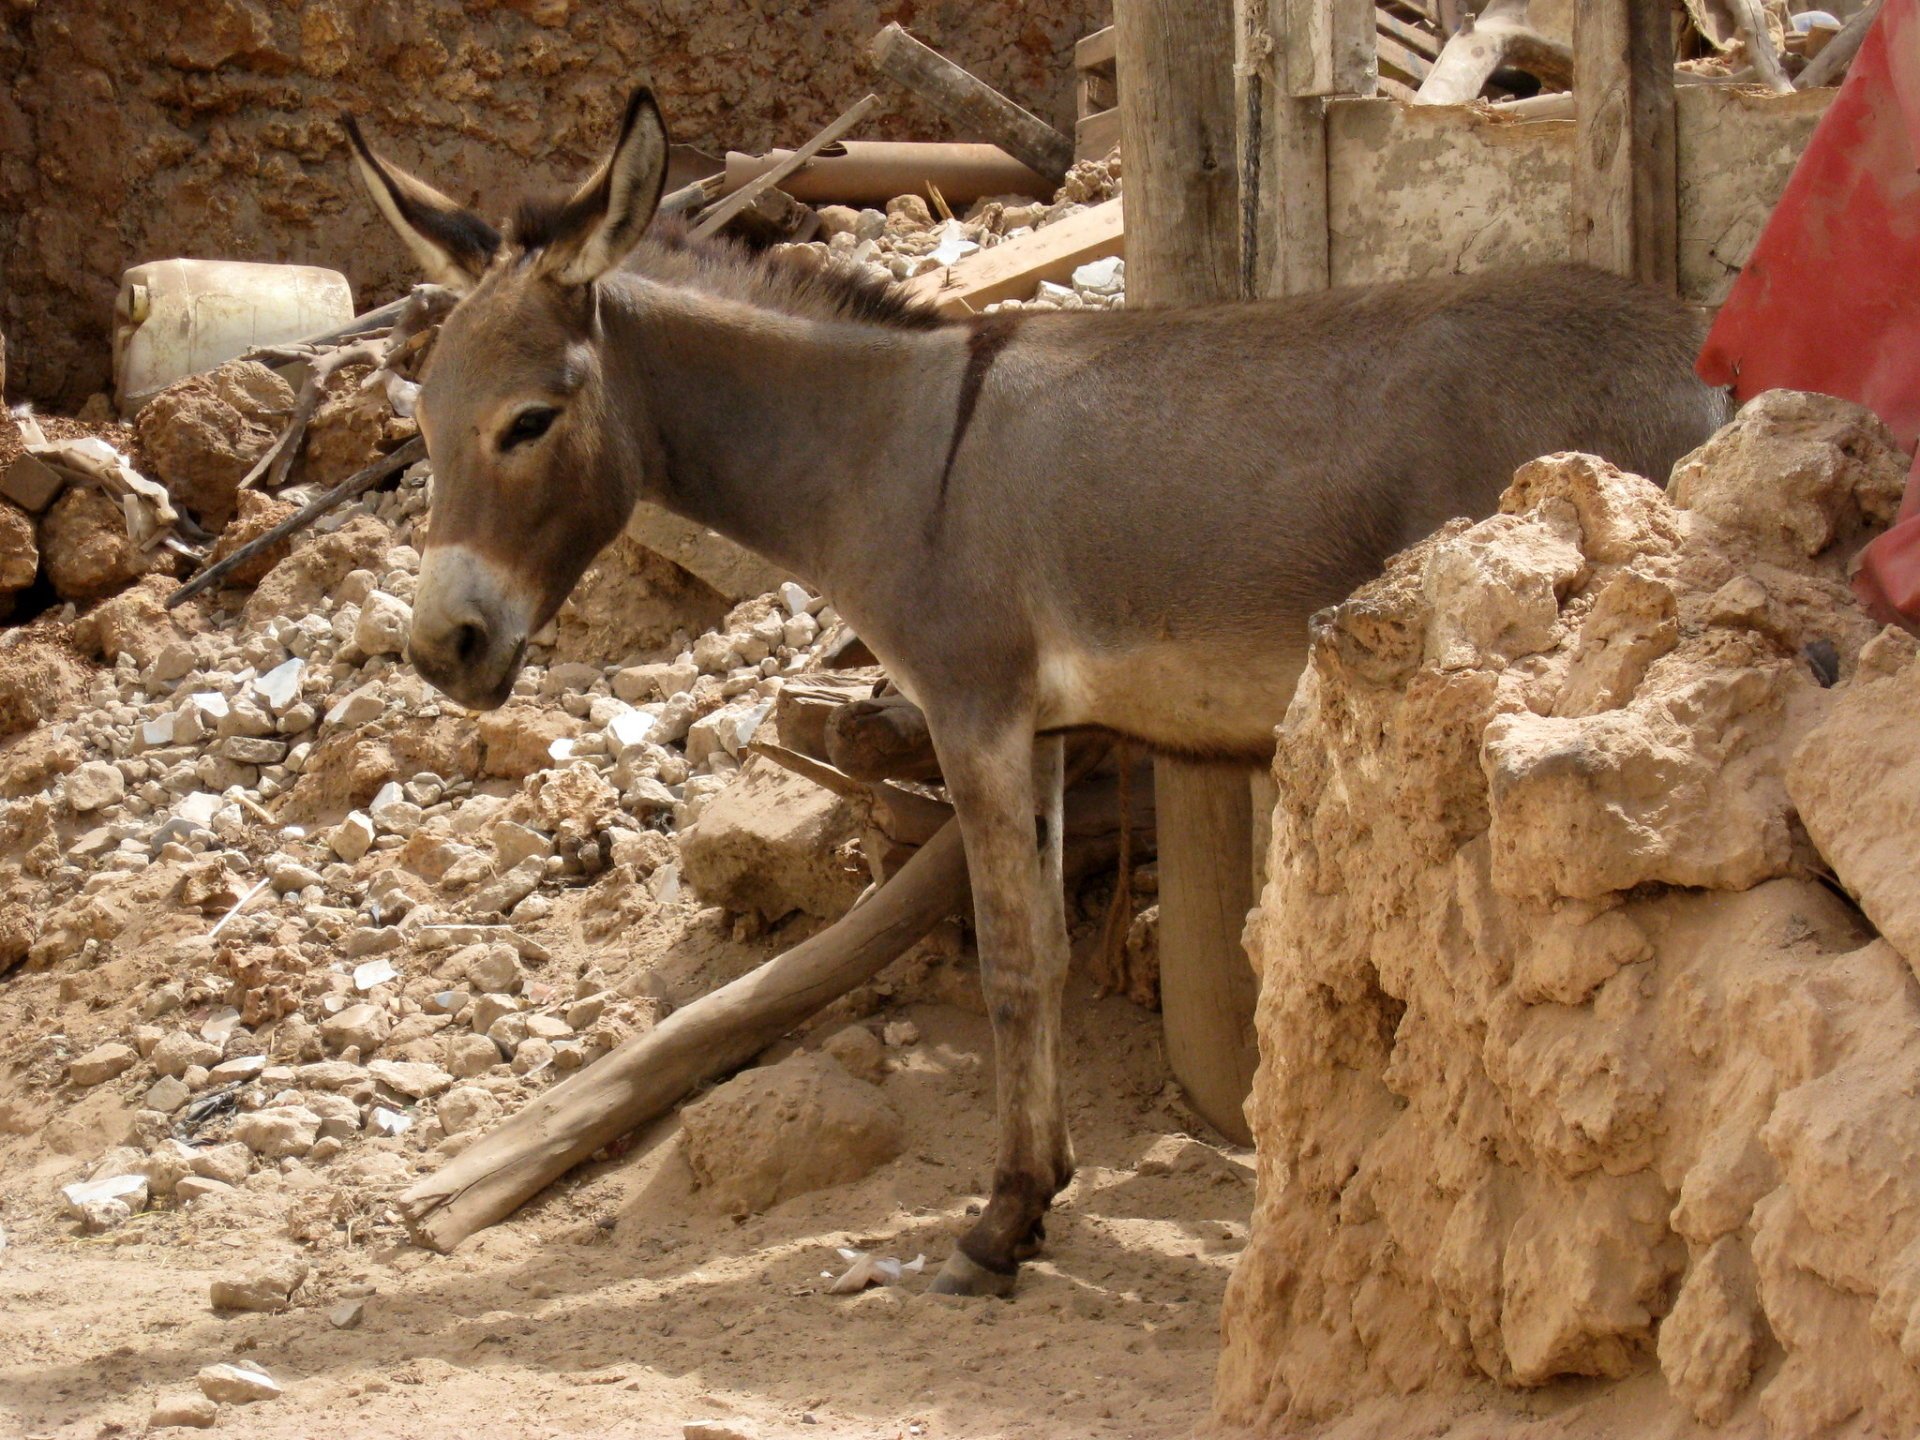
(980,111)
(1178,134)
(717,1033)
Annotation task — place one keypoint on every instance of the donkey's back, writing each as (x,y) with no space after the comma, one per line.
(1194,484)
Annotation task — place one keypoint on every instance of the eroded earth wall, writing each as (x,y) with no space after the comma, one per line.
(1589,1024)
(133,132)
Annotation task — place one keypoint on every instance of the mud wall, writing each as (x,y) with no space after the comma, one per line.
(1438,189)
(208,127)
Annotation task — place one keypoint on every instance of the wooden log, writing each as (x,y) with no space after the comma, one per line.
(1499,36)
(1625,184)
(1207,985)
(1179,132)
(804,705)
(1014,270)
(980,111)
(1830,65)
(882,737)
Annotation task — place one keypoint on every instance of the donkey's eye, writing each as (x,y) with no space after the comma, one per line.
(529,425)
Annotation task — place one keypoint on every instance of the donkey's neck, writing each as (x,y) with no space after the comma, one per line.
(775,430)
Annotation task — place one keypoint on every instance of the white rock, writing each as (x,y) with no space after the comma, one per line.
(95,785)
(1102,277)
(795,597)
(237,1384)
(384,623)
(372,973)
(129,1190)
(357,707)
(352,837)
(280,686)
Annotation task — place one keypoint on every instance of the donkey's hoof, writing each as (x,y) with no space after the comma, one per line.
(963,1275)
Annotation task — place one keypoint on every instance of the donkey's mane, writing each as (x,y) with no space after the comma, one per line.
(726,268)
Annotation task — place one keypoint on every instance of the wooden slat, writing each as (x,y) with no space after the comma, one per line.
(1329,47)
(1421,42)
(1625,186)
(1012,271)
(1094,136)
(1095,51)
(1405,94)
(1397,57)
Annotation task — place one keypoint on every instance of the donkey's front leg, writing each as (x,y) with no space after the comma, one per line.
(1020,920)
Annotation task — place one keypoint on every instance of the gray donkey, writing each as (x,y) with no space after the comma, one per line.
(1038,523)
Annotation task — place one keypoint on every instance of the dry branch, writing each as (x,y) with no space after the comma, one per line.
(1499,36)
(362,480)
(720,214)
(1830,64)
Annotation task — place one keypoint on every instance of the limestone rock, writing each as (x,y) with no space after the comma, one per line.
(191,1411)
(101,1063)
(772,843)
(19,553)
(782,1130)
(383,625)
(241,1383)
(94,786)
(201,435)
(278,1132)
(318,563)
(85,547)
(1856,783)
(254,515)
(266,1287)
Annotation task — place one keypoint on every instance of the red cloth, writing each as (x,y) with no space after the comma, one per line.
(1829,301)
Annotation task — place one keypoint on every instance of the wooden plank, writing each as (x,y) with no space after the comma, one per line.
(1625,184)
(1207,985)
(972,104)
(1178,125)
(712,221)
(1397,57)
(1282,149)
(1094,136)
(1412,36)
(1095,51)
(1329,47)
(1014,269)
(1391,87)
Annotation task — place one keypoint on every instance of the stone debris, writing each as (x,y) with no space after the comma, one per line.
(266,1287)
(240,1383)
(1621,1089)
(194,1411)
(781,1130)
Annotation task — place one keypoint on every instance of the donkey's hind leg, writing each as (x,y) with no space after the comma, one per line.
(1021,924)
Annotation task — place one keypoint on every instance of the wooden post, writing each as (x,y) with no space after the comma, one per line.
(1177,131)
(1625,186)
(972,104)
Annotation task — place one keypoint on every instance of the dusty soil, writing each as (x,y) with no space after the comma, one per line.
(622,1303)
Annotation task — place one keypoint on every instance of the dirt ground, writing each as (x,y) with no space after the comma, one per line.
(621,1303)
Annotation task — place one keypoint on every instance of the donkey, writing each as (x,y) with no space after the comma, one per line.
(1120,520)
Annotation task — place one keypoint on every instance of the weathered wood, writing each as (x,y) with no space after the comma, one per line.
(1831,64)
(1097,134)
(1422,43)
(1499,36)
(981,112)
(1394,55)
(1750,22)
(884,737)
(1096,51)
(1329,47)
(1207,985)
(712,220)
(1282,150)
(1625,188)
(1178,125)
(1013,270)
(804,705)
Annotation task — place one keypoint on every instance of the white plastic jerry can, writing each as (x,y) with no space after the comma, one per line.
(175,318)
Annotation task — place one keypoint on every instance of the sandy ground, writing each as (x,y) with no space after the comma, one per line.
(621,1304)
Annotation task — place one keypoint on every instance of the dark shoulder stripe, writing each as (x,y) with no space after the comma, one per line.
(988,336)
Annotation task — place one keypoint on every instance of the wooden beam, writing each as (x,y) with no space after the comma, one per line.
(1014,269)
(1625,187)
(1178,129)
(981,111)
(1329,47)
(1412,36)
(1095,51)
(1395,56)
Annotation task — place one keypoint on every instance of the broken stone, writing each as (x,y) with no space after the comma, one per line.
(201,435)
(241,1383)
(85,1200)
(385,621)
(267,1287)
(94,786)
(352,837)
(363,1026)
(278,1132)
(509,889)
(180,1051)
(414,1079)
(101,1064)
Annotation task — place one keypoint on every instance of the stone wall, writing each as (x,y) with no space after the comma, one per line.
(208,127)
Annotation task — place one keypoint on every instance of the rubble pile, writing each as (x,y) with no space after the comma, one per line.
(906,240)
(1588,1015)
(318,905)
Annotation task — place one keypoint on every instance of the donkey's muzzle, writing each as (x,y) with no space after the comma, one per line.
(469,628)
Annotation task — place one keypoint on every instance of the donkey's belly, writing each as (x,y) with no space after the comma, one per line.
(1184,699)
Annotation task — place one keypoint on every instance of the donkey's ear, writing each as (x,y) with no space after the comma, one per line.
(454,245)
(606,216)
